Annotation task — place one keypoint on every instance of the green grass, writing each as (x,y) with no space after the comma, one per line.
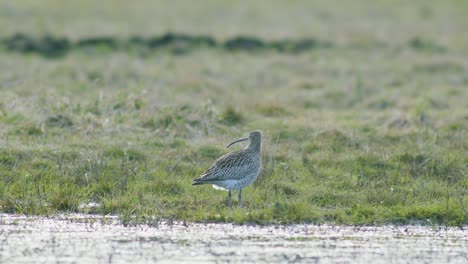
(370,129)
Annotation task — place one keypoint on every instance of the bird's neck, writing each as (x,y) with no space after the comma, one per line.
(256,147)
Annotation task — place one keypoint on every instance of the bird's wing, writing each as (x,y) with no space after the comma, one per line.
(233,166)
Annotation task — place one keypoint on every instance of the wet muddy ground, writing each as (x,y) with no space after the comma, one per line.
(80,239)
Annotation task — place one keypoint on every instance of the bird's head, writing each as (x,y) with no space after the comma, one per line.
(254,138)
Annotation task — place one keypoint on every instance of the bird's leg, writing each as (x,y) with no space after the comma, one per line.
(240,198)
(229,199)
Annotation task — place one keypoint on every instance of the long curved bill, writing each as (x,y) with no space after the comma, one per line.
(239,140)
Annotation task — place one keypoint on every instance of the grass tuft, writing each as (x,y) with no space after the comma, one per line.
(231,117)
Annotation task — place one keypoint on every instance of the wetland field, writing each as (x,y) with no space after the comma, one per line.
(109,110)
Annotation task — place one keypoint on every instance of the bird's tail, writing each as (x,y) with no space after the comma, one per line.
(196,182)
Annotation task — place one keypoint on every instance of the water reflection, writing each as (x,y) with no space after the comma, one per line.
(80,239)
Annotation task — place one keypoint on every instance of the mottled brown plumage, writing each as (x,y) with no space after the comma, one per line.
(235,170)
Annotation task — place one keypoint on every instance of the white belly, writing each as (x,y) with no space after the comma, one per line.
(236,184)
(226,185)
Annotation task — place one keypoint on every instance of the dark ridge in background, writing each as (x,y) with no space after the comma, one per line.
(51,46)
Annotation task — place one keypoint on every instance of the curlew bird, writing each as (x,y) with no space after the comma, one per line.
(235,170)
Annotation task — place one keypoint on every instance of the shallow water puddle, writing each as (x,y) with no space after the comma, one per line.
(84,239)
